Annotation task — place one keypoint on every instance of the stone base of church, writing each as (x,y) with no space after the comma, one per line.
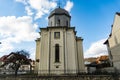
(57,72)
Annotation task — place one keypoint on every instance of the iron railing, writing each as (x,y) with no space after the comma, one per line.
(31,75)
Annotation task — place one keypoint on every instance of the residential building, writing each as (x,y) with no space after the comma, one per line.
(98,64)
(113,43)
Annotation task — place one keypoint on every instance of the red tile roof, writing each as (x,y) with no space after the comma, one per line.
(3,58)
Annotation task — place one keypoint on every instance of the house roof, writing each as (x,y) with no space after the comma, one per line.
(3,58)
(101,58)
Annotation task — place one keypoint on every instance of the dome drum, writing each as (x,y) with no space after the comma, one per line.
(59,17)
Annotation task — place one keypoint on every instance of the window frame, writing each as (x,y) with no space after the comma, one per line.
(57,53)
(56,35)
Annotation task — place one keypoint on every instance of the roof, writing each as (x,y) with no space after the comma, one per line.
(106,42)
(91,59)
(59,11)
(118,13)
(3,58)
(101,58)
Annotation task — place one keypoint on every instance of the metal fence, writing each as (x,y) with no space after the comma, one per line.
(78,76)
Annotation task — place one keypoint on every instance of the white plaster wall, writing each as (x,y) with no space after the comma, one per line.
(60,42)
(51,20)
(116,56)
(70,54)
(81,66)
(116,24)
(37,57)
(114,42)
(68,51)
(44,56)
(115,38)
(62,18)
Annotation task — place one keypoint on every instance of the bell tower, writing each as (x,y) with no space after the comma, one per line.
(59,17)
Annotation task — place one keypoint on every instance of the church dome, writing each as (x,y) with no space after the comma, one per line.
(59,11)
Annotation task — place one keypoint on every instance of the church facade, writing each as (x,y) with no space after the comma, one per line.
(59,50)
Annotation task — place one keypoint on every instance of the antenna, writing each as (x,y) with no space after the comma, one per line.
(59,3)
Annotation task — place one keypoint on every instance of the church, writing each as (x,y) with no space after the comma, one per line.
(59,50)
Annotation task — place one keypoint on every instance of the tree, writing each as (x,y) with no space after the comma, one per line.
(16,59)
(23,52)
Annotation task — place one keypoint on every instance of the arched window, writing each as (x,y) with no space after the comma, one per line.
(57,56)
(66,23)
(51,23)
(58,22)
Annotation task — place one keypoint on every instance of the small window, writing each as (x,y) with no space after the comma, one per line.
(66,23)
(57,66)
(51,23)
(37,60)
(57,35)
(58,22)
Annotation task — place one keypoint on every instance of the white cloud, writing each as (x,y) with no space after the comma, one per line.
(29,11)
(40,7)
(96,49)
(5,47)
(68,6)
(18,28)
(15,30)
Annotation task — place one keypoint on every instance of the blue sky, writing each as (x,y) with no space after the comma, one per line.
(20,21)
